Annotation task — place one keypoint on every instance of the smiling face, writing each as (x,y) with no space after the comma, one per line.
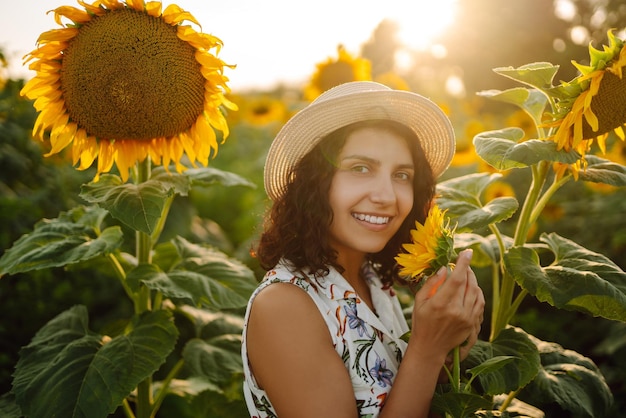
(371,192)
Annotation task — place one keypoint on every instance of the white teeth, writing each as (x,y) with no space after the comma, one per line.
(379,220)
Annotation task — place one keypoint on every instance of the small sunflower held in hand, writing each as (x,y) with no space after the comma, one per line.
(431,247)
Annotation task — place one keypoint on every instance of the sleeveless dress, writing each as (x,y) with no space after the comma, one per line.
(369,343)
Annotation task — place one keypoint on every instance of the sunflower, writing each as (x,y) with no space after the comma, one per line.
(126,81)
(333,72)
(431,247)
(263,109)
(592,105)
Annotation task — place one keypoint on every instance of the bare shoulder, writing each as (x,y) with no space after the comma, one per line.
(283,306)
(289,347)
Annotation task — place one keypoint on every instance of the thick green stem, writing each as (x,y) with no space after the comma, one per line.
(523,223)
(456,369)
(144,250)
(503,314)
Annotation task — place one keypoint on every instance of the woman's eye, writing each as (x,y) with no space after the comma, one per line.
(403,176)
(360,169)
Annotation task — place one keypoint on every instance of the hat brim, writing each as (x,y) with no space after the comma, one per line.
(313,123)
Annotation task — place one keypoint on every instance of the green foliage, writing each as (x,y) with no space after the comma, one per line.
(68,367)
(554,270)
(77,373)
(576,279)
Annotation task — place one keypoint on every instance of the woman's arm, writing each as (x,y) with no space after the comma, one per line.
(441,322)
(293,358)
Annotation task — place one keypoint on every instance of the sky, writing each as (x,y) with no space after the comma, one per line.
(270,41)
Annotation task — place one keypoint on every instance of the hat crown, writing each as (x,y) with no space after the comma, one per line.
(352,87)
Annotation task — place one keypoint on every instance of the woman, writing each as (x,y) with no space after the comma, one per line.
(349,175)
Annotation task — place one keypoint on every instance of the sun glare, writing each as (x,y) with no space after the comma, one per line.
(420,22)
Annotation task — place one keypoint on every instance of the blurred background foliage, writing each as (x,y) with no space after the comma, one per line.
(486,34)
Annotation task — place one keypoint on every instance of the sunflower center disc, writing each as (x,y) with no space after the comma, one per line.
(127,75)
(609,105)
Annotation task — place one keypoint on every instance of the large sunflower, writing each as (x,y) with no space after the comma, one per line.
(126,81)
(593,105)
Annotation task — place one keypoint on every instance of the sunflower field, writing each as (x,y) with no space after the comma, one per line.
(127,218)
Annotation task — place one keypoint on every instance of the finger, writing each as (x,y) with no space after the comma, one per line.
(433,283)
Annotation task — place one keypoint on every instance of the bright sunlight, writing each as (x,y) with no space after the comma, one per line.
(421,22)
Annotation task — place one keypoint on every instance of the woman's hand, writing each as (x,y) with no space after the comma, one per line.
(448,312)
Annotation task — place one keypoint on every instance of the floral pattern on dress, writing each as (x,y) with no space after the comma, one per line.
(369,344)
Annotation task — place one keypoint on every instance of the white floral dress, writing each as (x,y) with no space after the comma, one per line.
(369,344)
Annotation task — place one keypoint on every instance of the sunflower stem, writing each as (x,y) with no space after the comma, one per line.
(144,250)
(497,273)
(545,198)
(504,313)
(456,369)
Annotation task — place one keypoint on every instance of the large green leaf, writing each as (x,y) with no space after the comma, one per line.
(503,150)
(200,176)
(211,324)
(71,238)
(600,170)
(518,372)
(204,276)
(139,206)
(76,373)
(207,176)
(531,101)
(461,198)
(578,279)
(569,379)
(537,74)
(216,359)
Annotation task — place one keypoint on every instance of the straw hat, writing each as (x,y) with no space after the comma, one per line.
(354,102)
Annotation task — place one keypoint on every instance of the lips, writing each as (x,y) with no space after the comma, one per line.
(377,220)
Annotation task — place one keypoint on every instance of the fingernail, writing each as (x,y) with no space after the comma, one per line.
(468,253)
(441,271)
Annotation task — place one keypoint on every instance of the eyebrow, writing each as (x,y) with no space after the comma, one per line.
(374,161)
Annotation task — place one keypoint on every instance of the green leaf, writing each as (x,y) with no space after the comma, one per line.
(578,279)
(213,404)
(207,176)
(532,102)
(8,407)
(204,277)
(211,324)
(139,206)
(458,404)
(490,365)
(217,359)
(461,198)
(600,170)
(71,238)
(536,74)
(76,373)
(569,379)
(524,366)
(502,150)
(486,248)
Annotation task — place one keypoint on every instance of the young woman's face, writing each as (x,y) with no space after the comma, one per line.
(371,192)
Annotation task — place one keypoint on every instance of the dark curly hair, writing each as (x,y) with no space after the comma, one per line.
(297,225)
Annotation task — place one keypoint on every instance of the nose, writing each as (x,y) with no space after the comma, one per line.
(383,191)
